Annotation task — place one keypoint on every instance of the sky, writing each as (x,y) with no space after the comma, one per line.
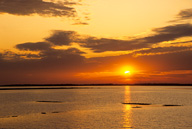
(100,41)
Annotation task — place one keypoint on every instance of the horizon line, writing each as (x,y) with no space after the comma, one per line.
(97,84)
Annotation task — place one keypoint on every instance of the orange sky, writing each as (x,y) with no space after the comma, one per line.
(44,41)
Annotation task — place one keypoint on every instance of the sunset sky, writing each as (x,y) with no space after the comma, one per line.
(95,41)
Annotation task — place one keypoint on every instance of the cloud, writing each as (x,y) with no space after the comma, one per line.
(39,46)
(80,23)
(60,38)
(107,44)
(67,38)
(171,61)
(12,56)
(162,50)
(184,14)
(65,56)
(40,7)
(51,64)
(167,33)
(47,52)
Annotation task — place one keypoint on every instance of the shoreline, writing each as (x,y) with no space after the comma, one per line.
(105,84)
(44,86)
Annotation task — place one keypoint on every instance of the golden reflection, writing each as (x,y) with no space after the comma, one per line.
(127,109)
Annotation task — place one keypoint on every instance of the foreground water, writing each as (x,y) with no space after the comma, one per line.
(97,107)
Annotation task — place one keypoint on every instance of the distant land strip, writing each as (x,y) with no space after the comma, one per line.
(42,88)
(104,84)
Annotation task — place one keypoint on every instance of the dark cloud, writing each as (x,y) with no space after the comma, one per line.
(185,14)
(9,55)
(167,33)
(1,56)
(62,37)
(46,52)
(162,50)
(67,56)
(40,7)
(50,65)
(12,56)
(105,44)
(172,61)
(39,46)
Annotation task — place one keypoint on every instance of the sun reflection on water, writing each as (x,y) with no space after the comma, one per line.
(127,109)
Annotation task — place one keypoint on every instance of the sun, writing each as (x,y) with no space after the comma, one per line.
(126,72)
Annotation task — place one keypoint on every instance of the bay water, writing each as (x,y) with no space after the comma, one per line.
(96,107)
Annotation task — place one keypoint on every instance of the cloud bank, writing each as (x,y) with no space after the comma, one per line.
(162,34)
(40,7)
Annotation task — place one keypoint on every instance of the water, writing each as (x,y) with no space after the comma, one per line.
(97,107)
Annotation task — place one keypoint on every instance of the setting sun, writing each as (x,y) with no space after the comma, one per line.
(127,72)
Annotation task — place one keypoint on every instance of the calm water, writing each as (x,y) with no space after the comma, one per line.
(97,108)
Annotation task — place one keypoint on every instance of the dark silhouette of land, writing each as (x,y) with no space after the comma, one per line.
(78,86)
(102,84)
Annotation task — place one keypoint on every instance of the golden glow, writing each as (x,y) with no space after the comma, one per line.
(127,109)
(126,72)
